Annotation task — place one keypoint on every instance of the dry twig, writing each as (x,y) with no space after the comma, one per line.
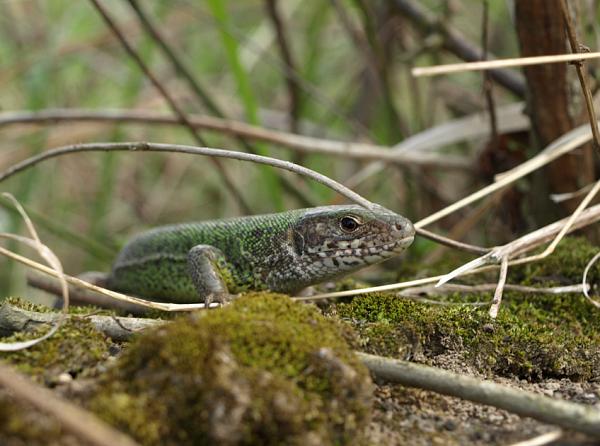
(562,413)
(581,73)
(75,420)
(14,319)
(502,63)
(541,440)
(179,148)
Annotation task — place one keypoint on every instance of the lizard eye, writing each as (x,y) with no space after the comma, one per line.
(349,224)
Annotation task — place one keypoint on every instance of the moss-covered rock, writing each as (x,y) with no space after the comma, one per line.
(264,370)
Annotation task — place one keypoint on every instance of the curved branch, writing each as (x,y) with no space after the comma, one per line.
(300,143)
(179,148)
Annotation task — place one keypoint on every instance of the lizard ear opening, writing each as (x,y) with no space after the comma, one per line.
(298,242)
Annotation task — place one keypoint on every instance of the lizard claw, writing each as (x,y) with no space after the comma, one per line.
(220,298)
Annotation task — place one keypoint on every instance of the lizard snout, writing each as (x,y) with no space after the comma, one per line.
(403,228)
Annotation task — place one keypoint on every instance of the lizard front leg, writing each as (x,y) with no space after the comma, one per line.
(205,269)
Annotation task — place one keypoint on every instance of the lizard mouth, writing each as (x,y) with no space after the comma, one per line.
(392,247)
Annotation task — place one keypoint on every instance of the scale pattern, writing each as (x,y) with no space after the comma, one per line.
(283,252)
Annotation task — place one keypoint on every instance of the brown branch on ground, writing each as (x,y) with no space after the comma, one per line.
(82,424)
(14,320)
(572,416)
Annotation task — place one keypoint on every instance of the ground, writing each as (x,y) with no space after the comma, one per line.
(261,351)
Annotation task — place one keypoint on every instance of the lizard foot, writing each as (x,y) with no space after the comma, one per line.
(220,298)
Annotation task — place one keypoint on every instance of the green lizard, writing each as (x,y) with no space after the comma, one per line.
(283,252)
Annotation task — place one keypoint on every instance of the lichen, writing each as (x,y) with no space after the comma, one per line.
(264,370)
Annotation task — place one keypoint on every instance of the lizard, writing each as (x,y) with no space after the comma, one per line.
(282,252)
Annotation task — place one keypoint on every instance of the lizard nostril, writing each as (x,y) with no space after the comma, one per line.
(404,227)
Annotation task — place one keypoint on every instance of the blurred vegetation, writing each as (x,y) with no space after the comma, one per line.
(346,75)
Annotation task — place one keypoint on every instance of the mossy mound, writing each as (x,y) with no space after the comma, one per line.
(22,425)
(535,336)
(264,370)
(75,348)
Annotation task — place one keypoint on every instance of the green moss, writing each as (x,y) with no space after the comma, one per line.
(564,266)
(535,336)
(26,305)
(74,348)
(73,309)
(264,370)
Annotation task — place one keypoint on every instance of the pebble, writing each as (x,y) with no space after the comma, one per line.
(64,378)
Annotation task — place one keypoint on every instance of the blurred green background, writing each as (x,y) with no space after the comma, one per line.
(349,66)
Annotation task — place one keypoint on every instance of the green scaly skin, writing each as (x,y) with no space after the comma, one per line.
(282,252)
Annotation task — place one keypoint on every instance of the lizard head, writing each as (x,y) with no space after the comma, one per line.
(346,238)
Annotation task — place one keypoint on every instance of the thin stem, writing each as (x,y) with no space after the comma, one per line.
(456,43)
(581,73)
(285,51)
(200,92)
(179,148)
(178,111)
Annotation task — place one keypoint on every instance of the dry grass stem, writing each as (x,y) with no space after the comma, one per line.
(495,307)
(112,294)
(55,266)
(584,283)
(501,63)
(568,142)
(541,440)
